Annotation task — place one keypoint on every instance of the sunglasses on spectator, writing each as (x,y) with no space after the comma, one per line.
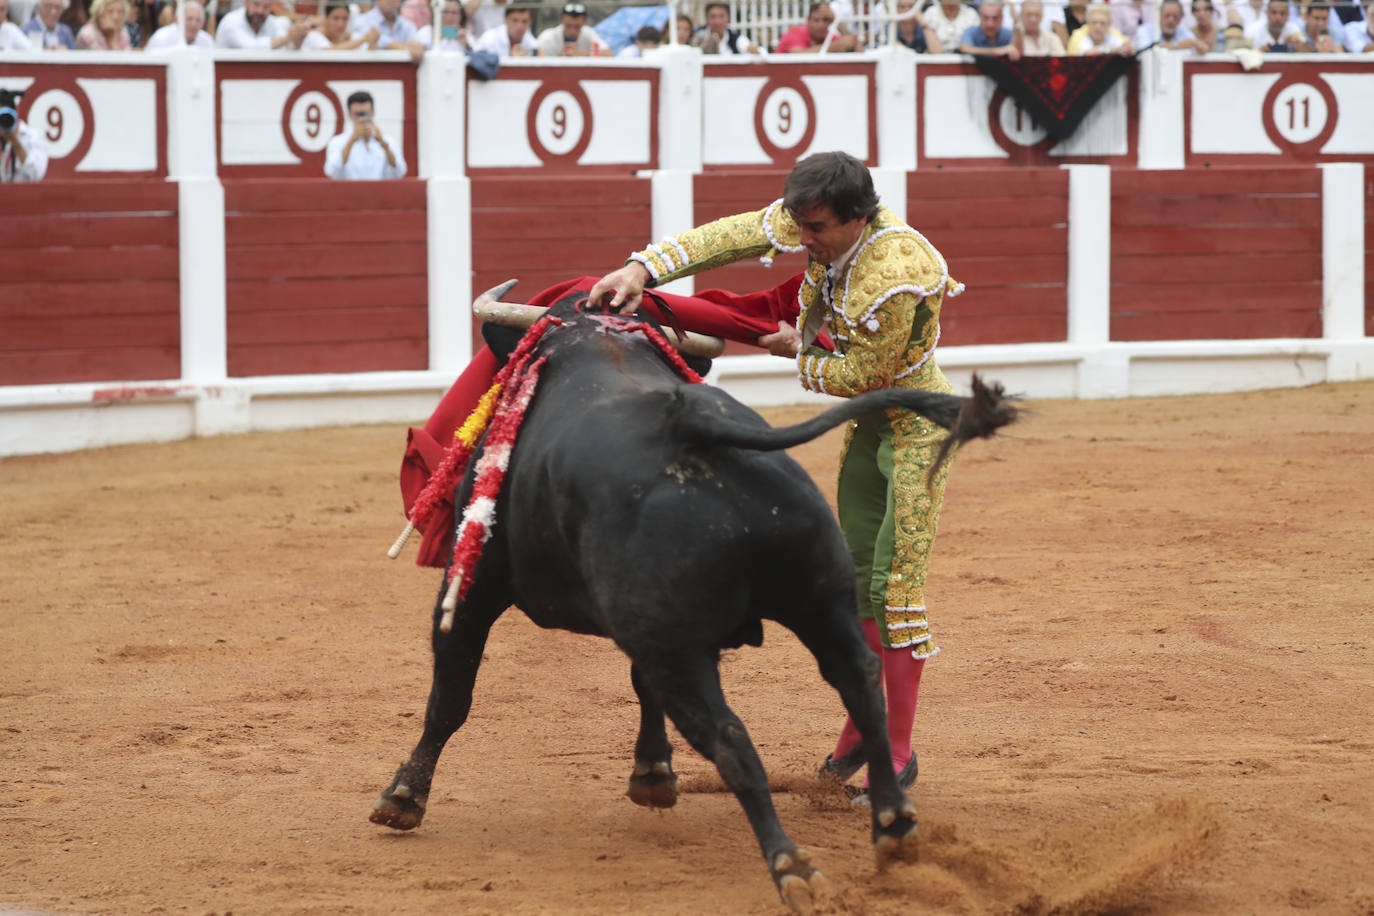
(575,9)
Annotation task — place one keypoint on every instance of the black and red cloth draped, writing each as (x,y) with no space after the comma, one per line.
(1058,92)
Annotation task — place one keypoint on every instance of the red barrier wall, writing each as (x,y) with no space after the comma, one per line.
(1004,234)
(325,276)
(1216,254)
(725,194)
(90,285)
(546,230)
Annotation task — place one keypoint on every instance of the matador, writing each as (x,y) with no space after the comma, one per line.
(876,286)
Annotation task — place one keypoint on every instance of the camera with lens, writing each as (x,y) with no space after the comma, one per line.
(9,117)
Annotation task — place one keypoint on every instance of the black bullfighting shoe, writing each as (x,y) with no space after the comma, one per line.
(905,780)
(841,770)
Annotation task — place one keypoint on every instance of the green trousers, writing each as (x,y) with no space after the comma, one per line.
(889,517)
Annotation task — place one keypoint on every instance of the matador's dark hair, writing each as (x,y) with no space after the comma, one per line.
(837,180)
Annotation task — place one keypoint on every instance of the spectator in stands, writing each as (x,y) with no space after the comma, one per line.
(453,30)
(684,29)
(1359,36)
(334,34)
(1128,16)
(647,39)
(1275,32)
(1097,35)
(253,27)
(1075,19)
(572,37)
(948,20)
(397,33)
(989,38)
(1315,35)
(166,37)
(485,15)
(810,36)
(417,12)
(913,32)
(362,153)
(718,38)
(105,30)
(1206,30)
(23,150)
(12,38)
(46,29)
(512,38)
(1246,12)
(76,14)
(1172,35)
(1033,39)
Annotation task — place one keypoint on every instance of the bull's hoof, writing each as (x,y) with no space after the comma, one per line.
(653,785)
(896,835)
(399,807)
(800,886)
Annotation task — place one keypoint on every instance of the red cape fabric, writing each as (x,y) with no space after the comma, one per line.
(740,318)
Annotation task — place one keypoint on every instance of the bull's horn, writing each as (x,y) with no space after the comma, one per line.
(489,307)
(494,294)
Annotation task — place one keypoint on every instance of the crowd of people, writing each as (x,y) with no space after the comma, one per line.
(506,28)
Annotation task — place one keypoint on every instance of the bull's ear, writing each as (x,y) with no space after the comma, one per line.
(502,341)
(701,365)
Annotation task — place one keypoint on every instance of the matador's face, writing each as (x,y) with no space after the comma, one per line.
(824,235)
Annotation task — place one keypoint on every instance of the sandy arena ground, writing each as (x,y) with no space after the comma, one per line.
(1154,697)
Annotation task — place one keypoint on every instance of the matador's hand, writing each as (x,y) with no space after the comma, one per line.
(786,342)
(623,289)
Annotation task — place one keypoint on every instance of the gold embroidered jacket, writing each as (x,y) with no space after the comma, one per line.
(883,313)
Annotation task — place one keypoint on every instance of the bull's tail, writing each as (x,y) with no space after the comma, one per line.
(975,417)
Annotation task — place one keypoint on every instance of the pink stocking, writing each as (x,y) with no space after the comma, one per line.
(849,735)
(902,679)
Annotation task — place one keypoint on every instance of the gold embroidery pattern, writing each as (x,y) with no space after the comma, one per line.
(724,241)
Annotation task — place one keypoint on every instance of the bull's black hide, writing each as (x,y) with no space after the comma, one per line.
(664,516)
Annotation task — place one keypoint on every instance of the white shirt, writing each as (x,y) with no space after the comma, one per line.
(949,31)
(166,37)
(318,41)
(497,41)
(35,164)
(550,41)
(1359,35)
(488,16)
(1259,36)
(366,160)
(398,31)
(234,31)
(12,38)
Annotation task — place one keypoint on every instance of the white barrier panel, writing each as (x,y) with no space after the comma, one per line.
(101,115)
(556,115)
(773,112)
(276,116)
(1301,108)
(963,118)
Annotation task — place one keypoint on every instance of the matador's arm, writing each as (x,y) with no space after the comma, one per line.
(724,241)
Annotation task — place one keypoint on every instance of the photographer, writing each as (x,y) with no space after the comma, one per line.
(362,154)
(23,150)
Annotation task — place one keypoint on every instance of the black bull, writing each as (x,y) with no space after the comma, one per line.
(663,515)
